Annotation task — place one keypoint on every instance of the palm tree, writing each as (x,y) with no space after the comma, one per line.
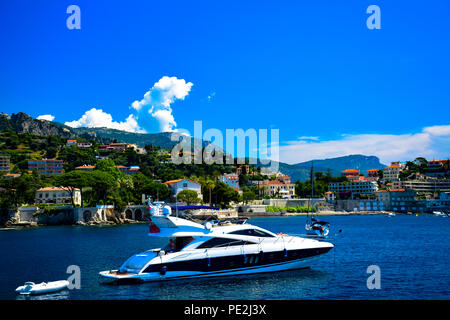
(209,185)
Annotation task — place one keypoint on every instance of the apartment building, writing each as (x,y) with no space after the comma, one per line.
(46,167)
(392,172)
(355,187)
(401,200)
(5,163)
(424,185)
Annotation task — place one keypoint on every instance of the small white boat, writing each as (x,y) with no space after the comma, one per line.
(439,213)
(43,287)
(391,214)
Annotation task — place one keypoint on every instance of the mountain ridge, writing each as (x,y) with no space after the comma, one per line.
(21,122)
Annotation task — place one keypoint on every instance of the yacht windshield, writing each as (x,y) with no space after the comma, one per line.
(178,244)
(252,232)
(137,262)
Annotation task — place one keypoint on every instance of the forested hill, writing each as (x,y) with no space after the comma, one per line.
(22,123)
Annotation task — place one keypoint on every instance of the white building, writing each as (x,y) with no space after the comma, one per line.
(355,187)
(277,188)
(57,195)
(176,186)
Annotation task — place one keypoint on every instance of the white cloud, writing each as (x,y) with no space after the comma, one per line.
(308,138)
(47,117)
(151,114)
(96,118)
(157,103)
(438,130)
(432,142)
(164,93)
(166,120)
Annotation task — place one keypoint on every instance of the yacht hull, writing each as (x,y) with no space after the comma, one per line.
(187,274)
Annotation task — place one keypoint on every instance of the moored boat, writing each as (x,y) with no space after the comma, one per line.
(214,248)
(43,287)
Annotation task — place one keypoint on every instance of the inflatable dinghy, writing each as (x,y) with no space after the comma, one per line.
(43,287)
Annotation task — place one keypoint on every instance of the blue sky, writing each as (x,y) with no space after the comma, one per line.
(311,69)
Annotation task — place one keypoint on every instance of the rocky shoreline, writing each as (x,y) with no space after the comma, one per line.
(115,221)
(12,225)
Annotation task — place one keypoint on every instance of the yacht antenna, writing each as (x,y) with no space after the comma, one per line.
(312,191)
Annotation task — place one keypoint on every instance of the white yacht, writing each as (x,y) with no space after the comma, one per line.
(214,249)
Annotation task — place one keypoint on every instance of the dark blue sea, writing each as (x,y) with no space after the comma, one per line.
(411,251)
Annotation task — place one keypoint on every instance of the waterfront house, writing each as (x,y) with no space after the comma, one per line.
(440,204)
(57,195)
(399,200)
(277,188)
(360,205)
(176,186)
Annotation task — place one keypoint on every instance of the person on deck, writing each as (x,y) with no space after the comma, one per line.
(172,245)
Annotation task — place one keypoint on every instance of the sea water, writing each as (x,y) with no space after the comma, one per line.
(411,252)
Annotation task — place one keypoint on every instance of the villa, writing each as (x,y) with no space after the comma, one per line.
(57,195)
(176,186)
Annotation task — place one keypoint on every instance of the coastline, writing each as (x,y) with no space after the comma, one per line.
(26,225)
(325,213)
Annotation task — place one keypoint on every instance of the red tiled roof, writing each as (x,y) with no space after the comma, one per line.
(84,167)
(350,170)
(178,180)
(54,189)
